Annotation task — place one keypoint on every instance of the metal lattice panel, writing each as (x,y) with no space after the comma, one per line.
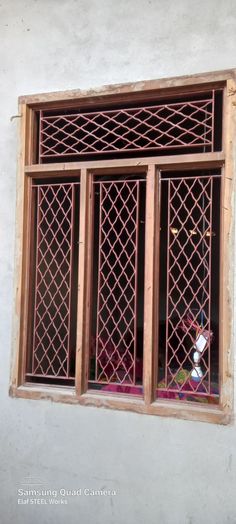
(117,282)
(177,126)
(188,306)
(54,257)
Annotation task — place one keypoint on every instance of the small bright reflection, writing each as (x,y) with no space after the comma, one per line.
(174,230)
(208,234)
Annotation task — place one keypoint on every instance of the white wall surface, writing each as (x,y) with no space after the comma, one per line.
(164,471)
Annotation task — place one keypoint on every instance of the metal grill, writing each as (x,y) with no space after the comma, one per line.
(185,125)
(116,333)
(189,273)
(52,336)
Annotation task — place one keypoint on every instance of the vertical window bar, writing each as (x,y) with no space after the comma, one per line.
(136,279)
(213,121)
(40,146)
(151,283)
(38,238)
(168,280)
(210,282)
(72,241)
(99,281)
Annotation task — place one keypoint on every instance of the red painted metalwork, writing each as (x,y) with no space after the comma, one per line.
(116,336)
(178,126)
(51,356)
(188,296)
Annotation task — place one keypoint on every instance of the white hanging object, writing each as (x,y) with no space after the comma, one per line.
(200,344)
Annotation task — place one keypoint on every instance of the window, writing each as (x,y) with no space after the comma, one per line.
(54,266)
(124,248)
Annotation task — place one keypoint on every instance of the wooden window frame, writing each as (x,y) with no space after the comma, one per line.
(29,171)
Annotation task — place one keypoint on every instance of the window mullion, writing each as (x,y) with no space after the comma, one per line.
(84,274)
(150,284)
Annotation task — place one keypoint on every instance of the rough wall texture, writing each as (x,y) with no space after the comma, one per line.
(164,471)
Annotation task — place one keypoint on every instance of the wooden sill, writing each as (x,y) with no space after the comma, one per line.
(161,407)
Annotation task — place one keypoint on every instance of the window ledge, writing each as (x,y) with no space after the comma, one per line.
(173,409)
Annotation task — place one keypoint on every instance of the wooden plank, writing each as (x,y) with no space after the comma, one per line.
(175,409)
(34,138)
(30,261)
(28,242)
(227,250)
(22,252)
(168,162)
(156,278)
(84,283)
(31,137)
(149,330)
(139,90)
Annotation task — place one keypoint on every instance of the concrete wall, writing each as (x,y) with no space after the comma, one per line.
(163,470)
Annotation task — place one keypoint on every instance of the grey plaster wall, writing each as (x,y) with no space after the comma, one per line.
(163,470)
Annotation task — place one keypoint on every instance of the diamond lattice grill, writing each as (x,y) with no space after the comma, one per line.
(51,340)
(181,125)
(117,283)
(188,280)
